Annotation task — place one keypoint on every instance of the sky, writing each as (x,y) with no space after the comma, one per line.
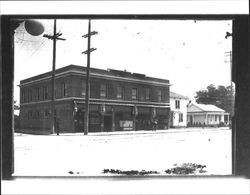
(189,53)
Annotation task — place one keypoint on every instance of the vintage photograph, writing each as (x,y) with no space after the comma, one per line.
(123,97)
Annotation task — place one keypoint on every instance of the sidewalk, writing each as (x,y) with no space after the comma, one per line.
(171,130)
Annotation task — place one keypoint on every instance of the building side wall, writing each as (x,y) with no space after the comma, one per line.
(41,91)
(176,121)
(36,118)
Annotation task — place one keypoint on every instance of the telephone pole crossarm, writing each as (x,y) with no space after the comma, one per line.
(88,51)
(52,37)
(90,34)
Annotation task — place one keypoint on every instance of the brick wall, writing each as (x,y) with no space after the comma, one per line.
(112,89)
(35,112)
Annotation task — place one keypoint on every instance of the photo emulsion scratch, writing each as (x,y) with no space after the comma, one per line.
(117,97)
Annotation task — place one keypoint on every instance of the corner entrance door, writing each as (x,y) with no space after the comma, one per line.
(79,121)
(107,123)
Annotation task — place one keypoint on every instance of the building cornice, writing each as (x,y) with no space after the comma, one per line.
(98,75)
(105,101)
(206,112)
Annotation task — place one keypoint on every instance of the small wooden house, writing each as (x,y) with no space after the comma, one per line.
(206,115)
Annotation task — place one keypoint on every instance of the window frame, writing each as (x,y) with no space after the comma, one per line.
(120,92)
(159,95)
(177,104)
(180,117)
(83,89)
(103,90)
(134,96)
(64,88)
(147,94)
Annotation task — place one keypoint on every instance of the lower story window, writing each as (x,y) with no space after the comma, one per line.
(46,113)
(181,117)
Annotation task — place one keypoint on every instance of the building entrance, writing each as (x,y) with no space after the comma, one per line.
(79,121)
(191,120)
(107,123)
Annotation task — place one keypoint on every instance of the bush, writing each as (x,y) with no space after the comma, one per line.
(186,168)
(131,172)
(221,124)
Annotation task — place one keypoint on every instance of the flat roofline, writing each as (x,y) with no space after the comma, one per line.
(94,71)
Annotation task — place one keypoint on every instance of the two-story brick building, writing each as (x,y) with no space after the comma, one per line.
(119,100)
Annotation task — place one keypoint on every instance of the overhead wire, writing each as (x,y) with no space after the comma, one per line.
(37,49)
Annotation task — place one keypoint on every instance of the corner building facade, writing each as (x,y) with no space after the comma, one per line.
(119,100)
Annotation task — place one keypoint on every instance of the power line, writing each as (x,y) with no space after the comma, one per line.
(38,48)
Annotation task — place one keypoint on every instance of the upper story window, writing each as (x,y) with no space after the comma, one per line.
(83,89)
(177,104)
(147,97)
(45,92)
(38,93)
(22,96)
(134,94)
(56,91)
(120,92)
(64,89)
(159,95)
(103,91)
(29,95)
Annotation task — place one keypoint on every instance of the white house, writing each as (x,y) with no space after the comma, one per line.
(206,115)
(178,107)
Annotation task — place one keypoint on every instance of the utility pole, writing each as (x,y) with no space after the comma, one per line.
(88,51)
(55,37)
(228,34)
(232,97)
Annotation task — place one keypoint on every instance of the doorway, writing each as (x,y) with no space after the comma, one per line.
(79,121)
(191,120)
(107,123)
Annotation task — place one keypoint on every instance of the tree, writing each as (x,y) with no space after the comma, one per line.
(220,96)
